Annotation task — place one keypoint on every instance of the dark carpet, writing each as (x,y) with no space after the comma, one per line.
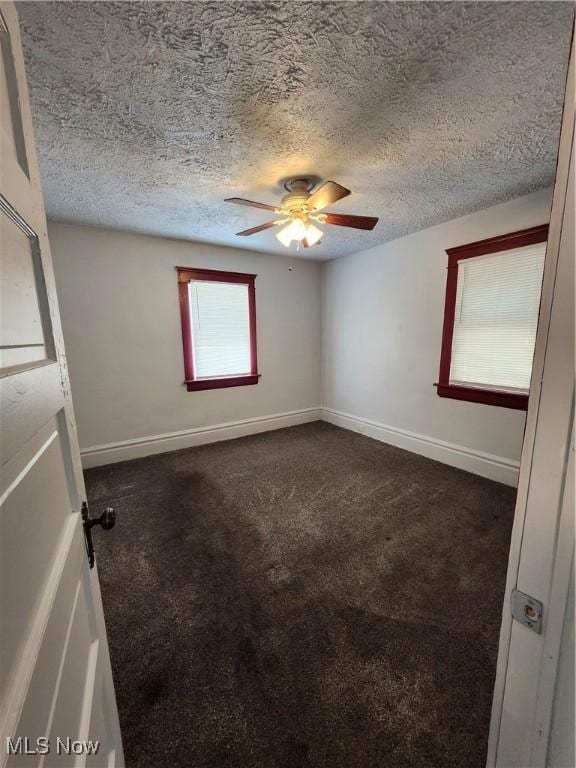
(306,597)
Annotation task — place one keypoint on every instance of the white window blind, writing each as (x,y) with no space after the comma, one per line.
(220,328)
(497,301)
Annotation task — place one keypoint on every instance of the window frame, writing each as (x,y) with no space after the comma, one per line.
(185,276)
(502,398)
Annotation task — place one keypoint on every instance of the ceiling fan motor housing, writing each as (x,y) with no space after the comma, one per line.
(299,191)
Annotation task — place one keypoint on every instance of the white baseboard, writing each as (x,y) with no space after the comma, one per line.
(123,450)
(479,463)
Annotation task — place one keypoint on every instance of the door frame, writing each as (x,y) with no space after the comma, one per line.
(522,706)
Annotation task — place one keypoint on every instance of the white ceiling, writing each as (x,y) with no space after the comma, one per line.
(149,114)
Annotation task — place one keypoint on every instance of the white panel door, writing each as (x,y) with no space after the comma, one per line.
(56,689)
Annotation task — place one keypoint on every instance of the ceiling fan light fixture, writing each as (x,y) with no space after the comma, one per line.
(313,234)
(295,230)
(284,236)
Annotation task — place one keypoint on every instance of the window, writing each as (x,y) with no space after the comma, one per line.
(490,318)
(218,311)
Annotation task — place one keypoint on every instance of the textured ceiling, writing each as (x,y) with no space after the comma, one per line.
(149,114)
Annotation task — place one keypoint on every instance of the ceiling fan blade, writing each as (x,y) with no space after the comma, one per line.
(259,228)
(251,203)
(346,220)
(329,193)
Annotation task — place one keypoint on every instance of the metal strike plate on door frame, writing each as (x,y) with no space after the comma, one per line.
(527,610)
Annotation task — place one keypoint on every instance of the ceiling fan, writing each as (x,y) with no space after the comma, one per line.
(300,208)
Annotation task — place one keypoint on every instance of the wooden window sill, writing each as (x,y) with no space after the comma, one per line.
(486,396)
(231,381)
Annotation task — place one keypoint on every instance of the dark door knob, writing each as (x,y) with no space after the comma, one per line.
(107,520)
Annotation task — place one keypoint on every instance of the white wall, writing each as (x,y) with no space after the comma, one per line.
(375,320)
(118,297)
(382,329)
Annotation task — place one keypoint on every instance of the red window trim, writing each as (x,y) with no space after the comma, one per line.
(482,247)
(185,275)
